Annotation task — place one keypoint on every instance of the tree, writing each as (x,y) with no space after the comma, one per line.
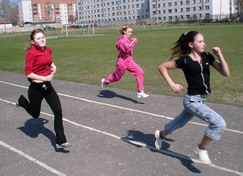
(8,11)
(240,7)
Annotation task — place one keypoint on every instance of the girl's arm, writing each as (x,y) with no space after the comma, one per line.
(37,78)
(221,66)
(163,69)
(126,45)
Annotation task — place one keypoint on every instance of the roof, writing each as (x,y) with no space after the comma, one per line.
(4,22)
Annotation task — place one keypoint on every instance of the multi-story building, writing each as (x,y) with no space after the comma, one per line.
(25,11)
(59,11)
(185,10)
(93,11)
(234,7)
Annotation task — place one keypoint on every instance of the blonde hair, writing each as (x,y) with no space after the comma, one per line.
(123,29)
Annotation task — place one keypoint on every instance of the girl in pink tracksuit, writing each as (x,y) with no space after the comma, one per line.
(125,62)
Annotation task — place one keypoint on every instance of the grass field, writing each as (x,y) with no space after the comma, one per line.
(88,59)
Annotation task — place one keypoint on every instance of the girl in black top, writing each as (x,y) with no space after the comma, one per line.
(194,62)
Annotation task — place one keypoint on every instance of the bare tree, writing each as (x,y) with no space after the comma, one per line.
(240,7)
(8,11)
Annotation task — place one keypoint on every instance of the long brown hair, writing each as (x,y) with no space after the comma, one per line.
(181,47)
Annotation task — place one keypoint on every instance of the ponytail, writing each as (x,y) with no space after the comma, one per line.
(181,47)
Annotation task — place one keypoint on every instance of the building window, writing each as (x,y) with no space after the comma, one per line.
(207,15)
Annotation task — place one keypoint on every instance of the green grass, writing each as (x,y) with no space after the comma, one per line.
(88,59)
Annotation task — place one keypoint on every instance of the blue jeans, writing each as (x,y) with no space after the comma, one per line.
(195,106)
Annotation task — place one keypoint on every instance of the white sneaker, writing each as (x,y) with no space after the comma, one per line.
(158,141)
(142,94)
(203,156)
(64,145)
(102,84)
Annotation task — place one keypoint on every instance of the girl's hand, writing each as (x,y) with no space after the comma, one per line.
(53,68)
(217,51)
(134,39)
(177,88)
(49,77)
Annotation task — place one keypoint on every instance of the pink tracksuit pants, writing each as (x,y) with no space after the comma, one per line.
(123,64)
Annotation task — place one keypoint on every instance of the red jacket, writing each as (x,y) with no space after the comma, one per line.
(38,61)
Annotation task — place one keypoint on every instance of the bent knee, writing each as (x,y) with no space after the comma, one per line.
(221,124)
(141,72)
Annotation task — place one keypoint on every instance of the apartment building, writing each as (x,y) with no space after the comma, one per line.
(186,10)
(58,11)
(93,11)
(25,11)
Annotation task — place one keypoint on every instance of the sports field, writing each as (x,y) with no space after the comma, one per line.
(112,134)
(111,130)
(88,59)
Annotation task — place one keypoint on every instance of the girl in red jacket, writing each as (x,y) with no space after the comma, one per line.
(40,70)
(125,62)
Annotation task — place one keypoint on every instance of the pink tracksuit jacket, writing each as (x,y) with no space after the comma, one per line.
(125,62)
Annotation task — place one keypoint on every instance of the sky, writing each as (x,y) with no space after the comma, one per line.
(14,0)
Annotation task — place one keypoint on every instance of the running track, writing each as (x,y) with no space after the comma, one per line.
(112,133)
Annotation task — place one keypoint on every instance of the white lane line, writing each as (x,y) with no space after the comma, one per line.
(127,109)
(31,159)
(140,144)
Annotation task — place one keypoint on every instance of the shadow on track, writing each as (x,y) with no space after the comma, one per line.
(149,140)
(35,126)
(111,94)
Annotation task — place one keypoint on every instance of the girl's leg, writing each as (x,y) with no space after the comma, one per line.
(119,72)
(35,96)
(178,122)
(55,104)
(24,103)
(32,106)
(181,120)
(204,143)
(196,106)
(138,72)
